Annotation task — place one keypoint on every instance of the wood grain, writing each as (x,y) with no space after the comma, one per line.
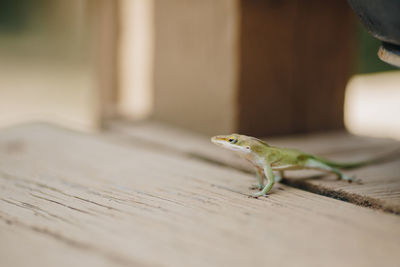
(380,186)
(102,201)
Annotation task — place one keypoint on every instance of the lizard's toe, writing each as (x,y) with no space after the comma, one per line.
(256,187)
(259,194)
(350,179)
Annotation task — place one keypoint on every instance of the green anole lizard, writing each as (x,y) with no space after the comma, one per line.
(266,159)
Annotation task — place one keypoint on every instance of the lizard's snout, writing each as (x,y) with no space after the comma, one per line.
(218,139)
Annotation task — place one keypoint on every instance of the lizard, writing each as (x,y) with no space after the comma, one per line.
(266,159)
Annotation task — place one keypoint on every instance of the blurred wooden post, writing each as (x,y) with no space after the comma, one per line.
(104,49)
(252,66)
(195,63)
(296,58)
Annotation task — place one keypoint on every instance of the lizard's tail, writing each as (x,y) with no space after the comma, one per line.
(353,165)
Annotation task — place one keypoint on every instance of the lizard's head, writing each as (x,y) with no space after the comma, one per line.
(236,142)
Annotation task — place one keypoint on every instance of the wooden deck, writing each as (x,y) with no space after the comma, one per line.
(153,195)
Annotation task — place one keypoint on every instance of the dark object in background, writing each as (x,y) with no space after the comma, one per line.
(382,20)
(14,15)
(296,58)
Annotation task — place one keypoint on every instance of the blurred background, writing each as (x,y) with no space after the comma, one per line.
(255,67)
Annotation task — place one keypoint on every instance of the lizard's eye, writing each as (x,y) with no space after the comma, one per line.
(230,140)
(233,141)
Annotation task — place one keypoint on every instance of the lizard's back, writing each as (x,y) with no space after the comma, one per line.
(288,156)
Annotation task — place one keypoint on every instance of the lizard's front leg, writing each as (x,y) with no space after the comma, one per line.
(260,179)
(271,180)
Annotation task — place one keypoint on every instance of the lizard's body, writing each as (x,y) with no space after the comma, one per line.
(266,159)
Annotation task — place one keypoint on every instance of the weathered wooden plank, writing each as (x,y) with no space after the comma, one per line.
(380,186)
(127,203)
(25,245)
